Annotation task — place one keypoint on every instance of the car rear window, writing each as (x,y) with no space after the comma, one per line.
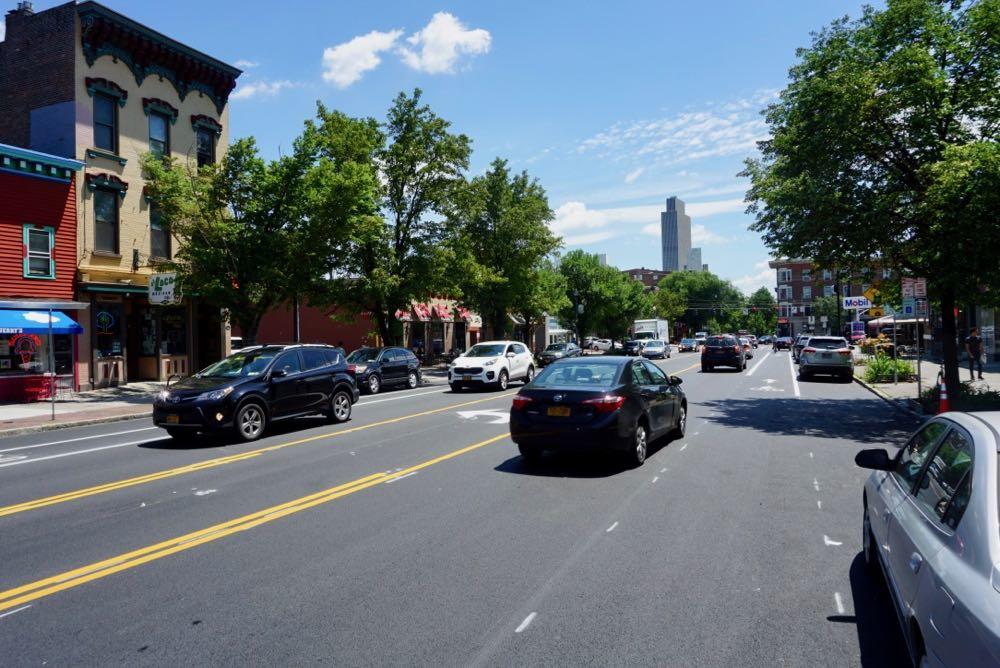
(720,341)
(583,373)
(827,344)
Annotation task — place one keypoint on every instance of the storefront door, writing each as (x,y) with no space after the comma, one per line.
(107,325)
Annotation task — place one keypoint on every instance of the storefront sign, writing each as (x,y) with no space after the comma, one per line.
(920,288)
(164,289)
(856,302)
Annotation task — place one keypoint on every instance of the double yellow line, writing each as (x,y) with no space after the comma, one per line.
(18,596)
(213,463)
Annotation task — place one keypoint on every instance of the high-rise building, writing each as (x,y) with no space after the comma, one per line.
(675,235)
(694,260)
(603,259)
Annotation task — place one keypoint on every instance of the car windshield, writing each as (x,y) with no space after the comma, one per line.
(246,363)
(578,373)
(827,344)
(557,346)
(486,350)
(362,355)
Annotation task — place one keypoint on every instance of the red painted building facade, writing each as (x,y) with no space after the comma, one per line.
(38,226)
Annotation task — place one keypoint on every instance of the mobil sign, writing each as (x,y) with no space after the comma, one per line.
(856,303)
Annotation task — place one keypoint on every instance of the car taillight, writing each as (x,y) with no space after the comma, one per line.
(844,353)
(520,402)
(736,349)
(352,368)
(808,350)
(609,403)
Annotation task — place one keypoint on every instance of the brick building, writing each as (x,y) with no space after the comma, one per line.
(648,277)
(84,82)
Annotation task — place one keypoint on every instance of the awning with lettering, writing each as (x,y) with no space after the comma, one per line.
(36,322)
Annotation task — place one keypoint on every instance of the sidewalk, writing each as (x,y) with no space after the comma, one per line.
(905,394)
(107,405)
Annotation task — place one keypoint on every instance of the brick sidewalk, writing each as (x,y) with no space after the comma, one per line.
(109,405)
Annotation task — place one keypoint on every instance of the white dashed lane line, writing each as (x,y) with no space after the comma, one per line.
(839,602)
(526,623)
(830,542)
(611,528)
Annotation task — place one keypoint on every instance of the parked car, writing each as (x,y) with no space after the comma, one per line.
(604,403)
(633,347)
(700,340)
(375,368)
(782,343)
(687,345)
(722,350)
(558,351)
(766,340)
(491,363)
(603,345)
(930,529)
(655,348)
(830,355)
(753,340)
(248,390)
(800,343)
(747,347)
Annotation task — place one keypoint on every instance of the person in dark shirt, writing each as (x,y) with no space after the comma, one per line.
(974,347)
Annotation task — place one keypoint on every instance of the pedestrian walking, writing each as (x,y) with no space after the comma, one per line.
(974,347)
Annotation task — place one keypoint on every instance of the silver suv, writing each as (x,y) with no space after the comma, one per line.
(826,354)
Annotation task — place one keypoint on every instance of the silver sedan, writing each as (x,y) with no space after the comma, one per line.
(932,528)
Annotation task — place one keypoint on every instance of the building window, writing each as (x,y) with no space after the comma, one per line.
(105,122)
(159,134)
(106,220)
(827,275)
(887,273)
(784,310)
(206,147)
(807,292)
(807,275)
(785,292)
(38,246)
(159,237)
(828,290)
(784,275)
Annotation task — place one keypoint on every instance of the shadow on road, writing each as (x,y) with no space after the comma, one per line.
(862,420)
(566,465)
(227,438)
(880,640)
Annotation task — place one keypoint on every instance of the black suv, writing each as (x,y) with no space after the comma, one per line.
(722,350)
(378,367)
(256,386)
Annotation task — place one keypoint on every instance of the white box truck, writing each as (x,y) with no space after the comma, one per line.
(644,330)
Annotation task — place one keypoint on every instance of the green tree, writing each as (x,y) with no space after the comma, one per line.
(500,236)
(587,292)
(246,243)
(544,294)
(628,302)
(883,149)
(829,307)
(762,312)
(669,305)
(707,298)
(397,251)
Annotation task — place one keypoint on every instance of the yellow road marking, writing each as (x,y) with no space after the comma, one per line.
(74,578)
(219,461)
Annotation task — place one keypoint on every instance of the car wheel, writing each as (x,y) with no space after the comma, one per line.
(530,453)
(502,380)
(250,421)
(868,545)
(637,452)
(455,387)
(530,375)
(848,377)
(682,420)
(803,374)
(412,380)
(340,407)
(374,384)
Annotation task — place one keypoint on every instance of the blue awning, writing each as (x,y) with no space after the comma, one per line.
(36,322)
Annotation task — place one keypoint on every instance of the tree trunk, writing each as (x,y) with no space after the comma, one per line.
(382,323)
(498,324)
(249,325)
(949,346)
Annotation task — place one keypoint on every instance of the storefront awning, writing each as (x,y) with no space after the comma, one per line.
(36,322)
(443,312)
(422,310)
(403,316)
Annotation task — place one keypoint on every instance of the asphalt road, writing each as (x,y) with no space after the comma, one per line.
(414,534)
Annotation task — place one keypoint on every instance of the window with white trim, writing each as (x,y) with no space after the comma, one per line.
(807,275)
(807,292)
(827,275)
(38,246)
(784,275)
(828,290)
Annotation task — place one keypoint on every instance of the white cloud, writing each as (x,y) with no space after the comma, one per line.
(246,64)
(653,229)
(439,45)
(3,29)
(634,174)
(706,209)
(752,282)
(583,239)
(702,236)
(261,89)
(573,216)
(345,63)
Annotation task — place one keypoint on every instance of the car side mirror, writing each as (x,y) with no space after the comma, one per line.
(676,380)
(512,355)
(876,458)
(278,373)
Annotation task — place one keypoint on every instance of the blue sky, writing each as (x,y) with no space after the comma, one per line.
(613,106)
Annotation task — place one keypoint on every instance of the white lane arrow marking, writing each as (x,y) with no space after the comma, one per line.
(827,541)
(770,380)
(767,388)
(499,417)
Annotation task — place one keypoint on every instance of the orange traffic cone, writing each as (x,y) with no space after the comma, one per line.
(944,405)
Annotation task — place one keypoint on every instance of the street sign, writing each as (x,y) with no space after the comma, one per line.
(856,303)
(876,311)
(163,288)
(858,327)
(872,294)
(921,307)
(909,307)
(920,287)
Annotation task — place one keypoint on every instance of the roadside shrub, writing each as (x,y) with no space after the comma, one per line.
(880,369)
(966,397)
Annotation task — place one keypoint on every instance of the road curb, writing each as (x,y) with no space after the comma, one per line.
(886,398)
(16,431)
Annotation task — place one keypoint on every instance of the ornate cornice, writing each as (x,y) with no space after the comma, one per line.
(146,52)
(99,85)
(155,104)
(202,122)
(110,181)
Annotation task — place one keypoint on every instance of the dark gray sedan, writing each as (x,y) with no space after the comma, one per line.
(931,527)
(558,351)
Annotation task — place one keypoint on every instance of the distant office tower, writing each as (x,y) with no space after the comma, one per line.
(602,258)
(675,235)
(693,260)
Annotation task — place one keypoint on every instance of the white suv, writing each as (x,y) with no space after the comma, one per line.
(492,363)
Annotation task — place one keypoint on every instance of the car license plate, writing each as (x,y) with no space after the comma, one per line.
(559,411)
(827,356)
(172,419)
(466,377)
